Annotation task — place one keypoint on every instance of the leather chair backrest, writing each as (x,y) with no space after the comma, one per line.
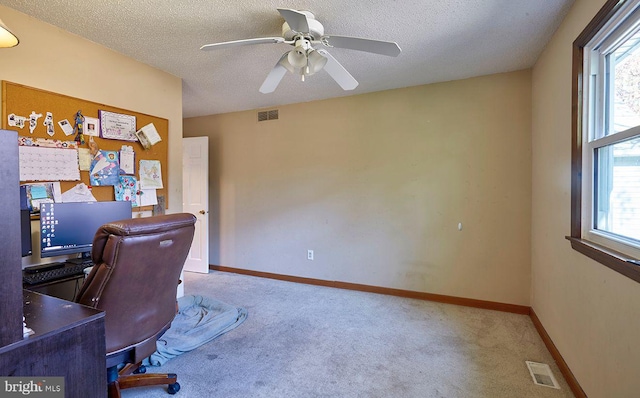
(135,277)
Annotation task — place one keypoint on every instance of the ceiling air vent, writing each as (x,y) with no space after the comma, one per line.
(268,115)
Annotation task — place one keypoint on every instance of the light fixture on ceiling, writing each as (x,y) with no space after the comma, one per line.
(7,39)
(316,62)
(303,59)
(301,30)
(298,56)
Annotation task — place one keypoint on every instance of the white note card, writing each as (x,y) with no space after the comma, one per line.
(148,197)
(148,136)
(127,160)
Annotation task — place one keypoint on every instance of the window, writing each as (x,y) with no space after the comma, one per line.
(605,217)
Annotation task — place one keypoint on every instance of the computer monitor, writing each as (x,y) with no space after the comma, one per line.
(69,228)
(25,232)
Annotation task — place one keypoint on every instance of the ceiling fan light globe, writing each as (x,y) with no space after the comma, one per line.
(297,57)
(316,62)
(285,62)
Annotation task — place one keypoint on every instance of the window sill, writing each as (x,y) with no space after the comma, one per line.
(610,258)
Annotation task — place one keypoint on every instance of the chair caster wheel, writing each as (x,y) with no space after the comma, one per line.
(173,388)
(141,369)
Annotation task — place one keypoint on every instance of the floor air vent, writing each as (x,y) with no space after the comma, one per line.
(541,374)
(268,115)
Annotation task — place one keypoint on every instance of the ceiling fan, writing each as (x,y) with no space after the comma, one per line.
(302,31)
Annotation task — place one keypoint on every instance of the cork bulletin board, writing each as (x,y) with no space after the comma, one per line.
(22,100)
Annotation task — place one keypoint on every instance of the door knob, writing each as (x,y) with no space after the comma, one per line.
(203,212)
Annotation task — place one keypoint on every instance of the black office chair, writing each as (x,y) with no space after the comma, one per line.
(134,280)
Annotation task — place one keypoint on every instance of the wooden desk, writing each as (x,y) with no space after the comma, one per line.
(69,341)
(64,288)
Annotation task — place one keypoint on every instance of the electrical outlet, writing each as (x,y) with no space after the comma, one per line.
(310,255)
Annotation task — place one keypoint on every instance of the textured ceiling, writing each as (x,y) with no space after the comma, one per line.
(440,40)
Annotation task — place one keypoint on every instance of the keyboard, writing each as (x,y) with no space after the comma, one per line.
(85,261)
(51,273)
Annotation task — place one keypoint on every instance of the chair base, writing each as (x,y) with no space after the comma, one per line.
(127,378)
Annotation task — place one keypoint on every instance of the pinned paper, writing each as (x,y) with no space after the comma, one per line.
(105,168)
(91,126)
(33,120)
(127,190)
(148,197)
(46,142)
(48,123)
(48,164)
(127,160)
(84,159)
(38,192)
(16,121)
(150,174)
(45,192)
(79,193)
(148,136)
(67,129)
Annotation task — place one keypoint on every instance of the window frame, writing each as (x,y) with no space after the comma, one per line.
(622,263)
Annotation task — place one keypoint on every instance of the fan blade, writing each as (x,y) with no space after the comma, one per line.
(275,76)
(245,42)
(338,72)
(295,19)
(389,48)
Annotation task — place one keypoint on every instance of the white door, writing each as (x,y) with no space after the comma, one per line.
(195,199)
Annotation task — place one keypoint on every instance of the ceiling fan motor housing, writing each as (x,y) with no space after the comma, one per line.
(316,30)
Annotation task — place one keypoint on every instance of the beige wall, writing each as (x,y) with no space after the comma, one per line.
(52,59)
(376,185)
(591,312)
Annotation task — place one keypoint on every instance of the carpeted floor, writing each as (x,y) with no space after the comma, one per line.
(310,341)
